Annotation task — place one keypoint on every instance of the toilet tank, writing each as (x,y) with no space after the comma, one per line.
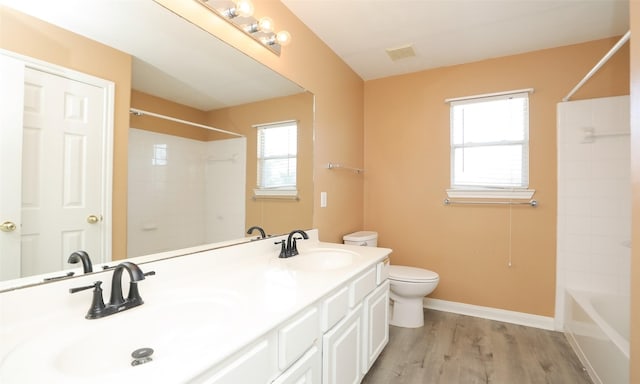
(363,238)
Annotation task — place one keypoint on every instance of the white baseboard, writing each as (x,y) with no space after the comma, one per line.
(521,318)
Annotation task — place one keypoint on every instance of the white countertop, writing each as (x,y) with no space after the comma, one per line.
(256,291)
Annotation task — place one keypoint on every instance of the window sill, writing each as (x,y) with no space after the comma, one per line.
(275,194)
(490,193)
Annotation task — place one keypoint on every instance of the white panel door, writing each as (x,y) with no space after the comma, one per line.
(62,163)
(11,84)
(59,168)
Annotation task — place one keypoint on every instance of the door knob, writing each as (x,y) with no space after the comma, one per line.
(8,226)
(92,219)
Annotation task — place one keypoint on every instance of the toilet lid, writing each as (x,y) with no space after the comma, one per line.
(411,274)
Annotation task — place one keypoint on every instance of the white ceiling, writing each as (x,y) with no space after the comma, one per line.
(449,32)
(172,58)
(177,61)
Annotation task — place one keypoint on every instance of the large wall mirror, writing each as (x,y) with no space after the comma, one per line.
(187,185)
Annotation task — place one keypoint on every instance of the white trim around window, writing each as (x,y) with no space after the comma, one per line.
(490,193)
(275,193)
(277,147)
(490,146)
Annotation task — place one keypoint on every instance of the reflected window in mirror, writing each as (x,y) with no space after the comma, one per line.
(159,154)
(277,158)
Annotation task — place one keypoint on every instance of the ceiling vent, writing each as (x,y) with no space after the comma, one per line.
(399,53)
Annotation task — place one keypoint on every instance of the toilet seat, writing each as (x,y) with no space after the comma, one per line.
(412,274)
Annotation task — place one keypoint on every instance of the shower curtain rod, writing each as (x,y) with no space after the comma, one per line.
(599,65)
(140,112)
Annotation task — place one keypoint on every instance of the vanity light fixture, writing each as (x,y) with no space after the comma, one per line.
(239,13)
(243,8)
(265,25)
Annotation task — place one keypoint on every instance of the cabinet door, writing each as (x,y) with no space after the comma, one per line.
(342,351)
(375,325)
(304,371)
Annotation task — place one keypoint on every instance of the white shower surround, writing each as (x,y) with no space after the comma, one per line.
(594,196)
(594,206)
(196,198)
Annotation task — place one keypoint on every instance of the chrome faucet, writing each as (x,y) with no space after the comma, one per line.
(83,256)
(117,303)
(289,247)
(263,235)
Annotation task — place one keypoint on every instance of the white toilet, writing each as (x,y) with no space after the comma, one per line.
(408,285)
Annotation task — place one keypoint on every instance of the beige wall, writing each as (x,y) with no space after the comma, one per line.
(407,160)
(146,102)
(275,215)
(31,37)
(635,181)
(338,121)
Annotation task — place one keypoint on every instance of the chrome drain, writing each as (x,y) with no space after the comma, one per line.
(141,356)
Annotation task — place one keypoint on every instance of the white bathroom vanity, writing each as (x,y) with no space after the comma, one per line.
(236,314)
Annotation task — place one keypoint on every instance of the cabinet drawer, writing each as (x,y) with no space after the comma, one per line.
(334,308)
(252,366)
(305,371)
(361,286)
(297,336)
(382,270)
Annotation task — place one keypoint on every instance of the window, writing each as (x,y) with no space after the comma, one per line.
(159,154)
(490,142)
(277,158)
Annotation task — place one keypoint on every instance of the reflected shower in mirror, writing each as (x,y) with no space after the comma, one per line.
(162,64)
(183,192)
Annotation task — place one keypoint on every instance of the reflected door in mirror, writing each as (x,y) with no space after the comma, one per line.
(51,187)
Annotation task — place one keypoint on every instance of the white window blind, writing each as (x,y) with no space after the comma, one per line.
(277,156)
(490,142)
(160,152)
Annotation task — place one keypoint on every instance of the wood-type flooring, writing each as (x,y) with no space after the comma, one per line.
(457,349)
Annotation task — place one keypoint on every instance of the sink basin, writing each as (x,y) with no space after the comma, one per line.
(322,259)
(178,330)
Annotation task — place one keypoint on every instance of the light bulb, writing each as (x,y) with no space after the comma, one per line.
(283,37)
(244,8)
(266,24)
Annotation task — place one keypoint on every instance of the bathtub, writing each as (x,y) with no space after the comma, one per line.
(597,327)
